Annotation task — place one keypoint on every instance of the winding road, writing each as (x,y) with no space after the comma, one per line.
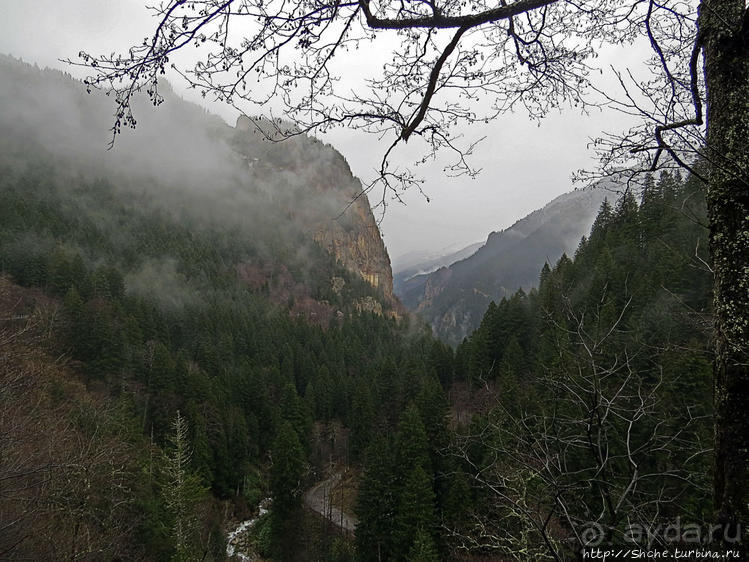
(317,499)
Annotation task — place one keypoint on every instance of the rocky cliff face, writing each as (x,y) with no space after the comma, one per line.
(357,245)
(321,195)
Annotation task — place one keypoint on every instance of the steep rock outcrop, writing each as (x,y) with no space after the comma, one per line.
(320,194)
(358,246)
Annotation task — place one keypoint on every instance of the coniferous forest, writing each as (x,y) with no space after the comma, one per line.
(167,374)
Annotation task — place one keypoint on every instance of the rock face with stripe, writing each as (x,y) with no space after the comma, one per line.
(320,194)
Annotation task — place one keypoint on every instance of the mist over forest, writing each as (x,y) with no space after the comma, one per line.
(179,145)
(205,353)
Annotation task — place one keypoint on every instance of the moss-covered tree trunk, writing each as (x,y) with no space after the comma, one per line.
(725,34)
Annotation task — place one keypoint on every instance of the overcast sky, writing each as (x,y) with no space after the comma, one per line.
(524,164)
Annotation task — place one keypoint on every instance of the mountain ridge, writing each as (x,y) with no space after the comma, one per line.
(453,298)
(198,165)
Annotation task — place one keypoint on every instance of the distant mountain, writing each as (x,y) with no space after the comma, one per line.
(423,261)
(422,264)
(453,299)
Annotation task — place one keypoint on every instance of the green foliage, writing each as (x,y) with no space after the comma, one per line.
(362,422)
(613,345)
(376,502)
(415,510)
(181,491)
(423,548)
(411,441)
(397,494)
(181,315)
(286,487)
(341,551)
(287,470)
(263,533)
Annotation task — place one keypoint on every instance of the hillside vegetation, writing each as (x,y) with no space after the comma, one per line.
(179,342)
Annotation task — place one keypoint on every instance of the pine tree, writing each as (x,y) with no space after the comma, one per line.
(286,475)
(433,411)
(181,491)
(651,205)
(362,421)
(411,442)
(603,220)
(294,410)
(423,548)
(484,342)
(415,510)
(511,368)
(376,502)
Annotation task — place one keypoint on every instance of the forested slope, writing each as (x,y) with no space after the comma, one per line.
(600,420)
(188,283)
(177,345)
(581,411)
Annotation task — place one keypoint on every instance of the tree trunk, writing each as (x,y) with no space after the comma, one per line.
(724,29)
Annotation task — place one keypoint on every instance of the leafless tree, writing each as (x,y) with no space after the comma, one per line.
(65,475)
(596,457)
(451,63)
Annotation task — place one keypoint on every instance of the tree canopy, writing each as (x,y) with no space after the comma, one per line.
(452,63)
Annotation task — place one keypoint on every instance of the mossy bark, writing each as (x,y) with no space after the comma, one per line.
(724,30)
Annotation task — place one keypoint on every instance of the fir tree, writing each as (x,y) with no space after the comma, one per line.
(376,503)
(415,510)
(181,492)
(286,481)
(423,548)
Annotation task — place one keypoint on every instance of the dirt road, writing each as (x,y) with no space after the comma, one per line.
(318,500)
